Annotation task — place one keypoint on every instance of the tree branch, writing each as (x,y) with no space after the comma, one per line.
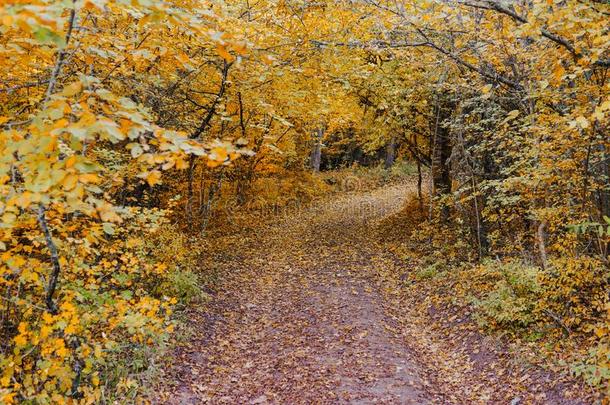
(495,77)
(558,39)
(368,45)
(221,91)
(52,285)
(62,54)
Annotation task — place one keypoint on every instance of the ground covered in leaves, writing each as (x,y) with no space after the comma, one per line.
(313,309)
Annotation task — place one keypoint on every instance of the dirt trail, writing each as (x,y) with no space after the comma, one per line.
(301,321)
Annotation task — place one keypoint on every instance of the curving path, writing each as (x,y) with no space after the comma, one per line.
(301,320)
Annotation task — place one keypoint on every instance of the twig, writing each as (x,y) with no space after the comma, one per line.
(61,55)
(558,320)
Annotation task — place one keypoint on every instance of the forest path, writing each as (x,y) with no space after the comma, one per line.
(302,319)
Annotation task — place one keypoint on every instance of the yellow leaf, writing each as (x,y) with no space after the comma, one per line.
(9,218)
(222,51)
(107,213)
(72,89)
(70,181)
(7,20)
(71,329)
(20,340)
(70,161)
(582,122)
(239,47)
(181,164)
(88,178)
(213,163)
(558,72)
(153,178)
(62,351)
(218,154)
(24,200)
(9,398)
(48,318)
(45,331)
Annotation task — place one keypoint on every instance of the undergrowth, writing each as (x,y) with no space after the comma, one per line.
(562,308)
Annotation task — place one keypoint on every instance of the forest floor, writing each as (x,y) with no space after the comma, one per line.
(308,313)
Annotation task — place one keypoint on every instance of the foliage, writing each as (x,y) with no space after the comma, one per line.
(78,279)
(512,299)
(128,130)
(105,311)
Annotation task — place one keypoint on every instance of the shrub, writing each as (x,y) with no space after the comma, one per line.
(512,300)
(108,310)
(595,368)
(183,285)
(576,290)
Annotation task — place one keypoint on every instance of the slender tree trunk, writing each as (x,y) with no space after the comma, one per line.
(604,194)
(316,150)
(206,210)
(419,186)
(441,176)
(390,153)
(441,152)
(541,239)
(190,198)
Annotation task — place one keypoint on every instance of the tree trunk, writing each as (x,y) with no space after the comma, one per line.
(420,197)
(316,150)
(390,153)
(441,176)
(441,152)
(604,194)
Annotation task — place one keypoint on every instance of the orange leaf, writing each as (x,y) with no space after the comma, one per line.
(222,51)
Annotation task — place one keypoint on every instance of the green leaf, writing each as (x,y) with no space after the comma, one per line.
(108,228)
(46,36)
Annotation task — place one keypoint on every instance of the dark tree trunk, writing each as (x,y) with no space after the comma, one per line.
(390,153)
(441,176)
(420,197)
(604,194)
(441,152)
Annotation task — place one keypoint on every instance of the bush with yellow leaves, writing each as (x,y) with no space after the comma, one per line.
(109,307)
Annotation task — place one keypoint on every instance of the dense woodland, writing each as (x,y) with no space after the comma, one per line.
(130,130)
